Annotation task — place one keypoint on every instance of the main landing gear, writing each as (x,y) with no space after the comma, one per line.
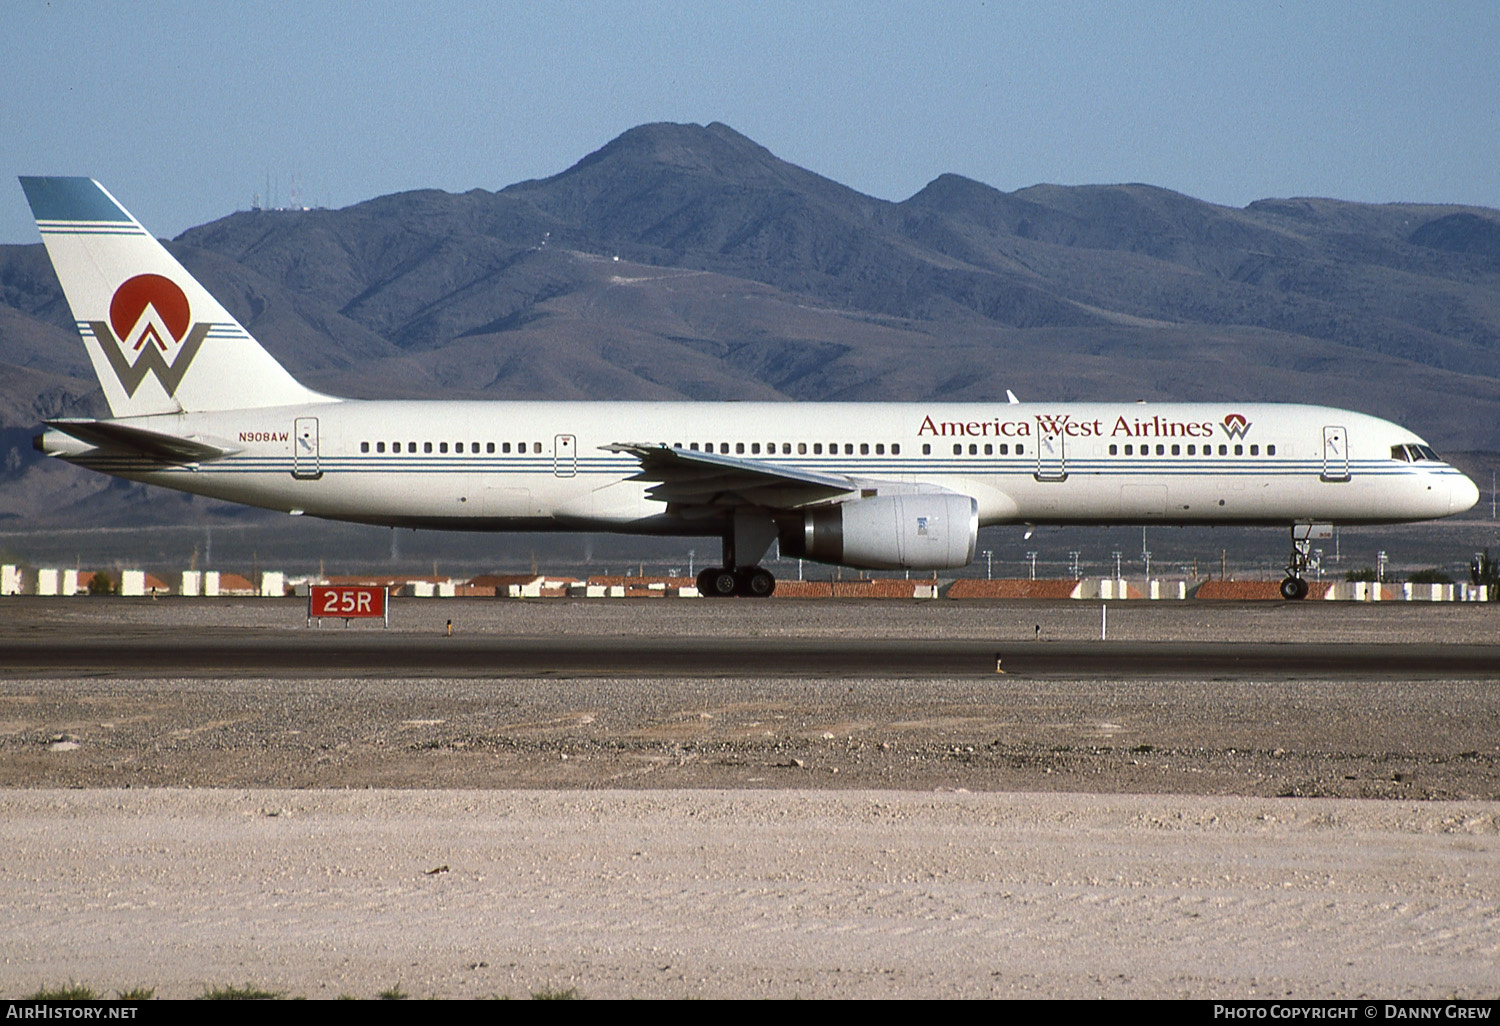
(749,534)
(1294,586)
(747,581)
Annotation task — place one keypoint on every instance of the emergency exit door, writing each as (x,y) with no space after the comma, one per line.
(1335,454)
(565,456)
(1051,454)
(305,463)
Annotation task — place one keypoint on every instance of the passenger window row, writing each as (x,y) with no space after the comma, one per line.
(1161,449)
(458,447)
(786,448)
(1406,453)
(975,449)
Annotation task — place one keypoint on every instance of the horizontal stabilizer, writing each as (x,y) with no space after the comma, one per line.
(156,445)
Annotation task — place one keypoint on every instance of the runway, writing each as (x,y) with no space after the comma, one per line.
(313,654)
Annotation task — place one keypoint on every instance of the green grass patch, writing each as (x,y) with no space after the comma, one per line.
(69,991)
(249,992)
(553,994)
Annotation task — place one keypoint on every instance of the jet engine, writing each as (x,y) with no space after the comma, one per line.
(889,532)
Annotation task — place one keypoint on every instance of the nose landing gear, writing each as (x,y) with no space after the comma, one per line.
(1295,586)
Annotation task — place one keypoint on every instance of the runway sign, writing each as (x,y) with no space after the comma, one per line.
(348,601)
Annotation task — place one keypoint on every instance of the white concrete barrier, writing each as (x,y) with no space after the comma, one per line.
(1113,588)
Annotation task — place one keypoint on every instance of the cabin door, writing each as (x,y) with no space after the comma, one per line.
(1335,454)
(1051,462)
(305,464)
(565,456)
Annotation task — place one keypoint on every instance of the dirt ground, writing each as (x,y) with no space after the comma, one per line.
(733,836)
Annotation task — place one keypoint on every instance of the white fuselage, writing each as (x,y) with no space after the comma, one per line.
(542,465)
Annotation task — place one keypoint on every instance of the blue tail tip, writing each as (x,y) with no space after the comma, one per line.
(70,199)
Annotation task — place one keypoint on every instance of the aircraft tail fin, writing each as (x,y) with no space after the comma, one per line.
(158,340)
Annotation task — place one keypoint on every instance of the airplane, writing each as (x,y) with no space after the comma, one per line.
(198,405)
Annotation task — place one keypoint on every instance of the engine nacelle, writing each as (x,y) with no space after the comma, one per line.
(890,532)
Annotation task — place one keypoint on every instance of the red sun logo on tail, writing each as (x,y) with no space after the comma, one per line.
(150,321)
(130,312)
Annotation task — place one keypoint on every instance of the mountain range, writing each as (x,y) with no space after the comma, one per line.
(687,261)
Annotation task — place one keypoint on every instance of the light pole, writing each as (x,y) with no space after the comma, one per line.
(1032,556)
(988,564)
(1116,554)
(1073,564)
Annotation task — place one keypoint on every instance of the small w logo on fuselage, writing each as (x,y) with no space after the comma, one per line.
(150,331)
(1236,426)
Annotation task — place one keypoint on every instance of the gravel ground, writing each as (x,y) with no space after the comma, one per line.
(1416,740)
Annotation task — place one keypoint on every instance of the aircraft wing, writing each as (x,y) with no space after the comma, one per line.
(686,478)
(157,445)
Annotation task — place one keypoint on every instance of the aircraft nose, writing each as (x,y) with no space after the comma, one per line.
(1462,495)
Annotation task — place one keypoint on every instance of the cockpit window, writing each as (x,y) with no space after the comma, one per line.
(1414,453)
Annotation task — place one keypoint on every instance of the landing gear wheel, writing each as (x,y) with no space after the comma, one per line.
(754,582)
(717,582)
(1300,561)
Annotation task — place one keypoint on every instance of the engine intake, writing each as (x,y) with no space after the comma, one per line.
(889,532)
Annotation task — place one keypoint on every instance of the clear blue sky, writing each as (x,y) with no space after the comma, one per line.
(184,109)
